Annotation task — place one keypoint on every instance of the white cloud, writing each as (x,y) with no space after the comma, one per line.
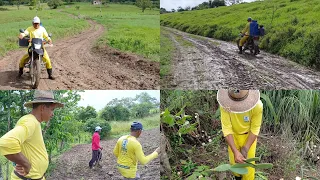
(100,98)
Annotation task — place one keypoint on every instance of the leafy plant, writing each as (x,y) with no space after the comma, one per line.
(242,168)
(200,171)
(187,166)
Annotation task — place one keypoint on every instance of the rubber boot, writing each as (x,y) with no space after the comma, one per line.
(240,49)
(20,72)
(237,178)
(50,74)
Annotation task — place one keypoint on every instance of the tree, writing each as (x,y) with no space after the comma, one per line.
(173,10)
(115,113)
(92,123)
(143,4)
(53,4)
(86,113)
(163,11)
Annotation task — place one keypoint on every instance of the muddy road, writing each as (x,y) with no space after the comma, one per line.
(204,63)
(74,164)
(77,65)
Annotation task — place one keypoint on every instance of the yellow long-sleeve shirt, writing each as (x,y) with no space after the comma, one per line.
(37,33)
(128,151)
(241,123)
(246,30)
(26,137)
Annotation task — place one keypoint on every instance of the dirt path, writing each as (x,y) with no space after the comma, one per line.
(79,66)
(73,164)
(212,64)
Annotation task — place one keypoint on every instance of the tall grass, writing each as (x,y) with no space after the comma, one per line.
(292,27)
(119,128)
(57,23)
(294,111)
(127,28)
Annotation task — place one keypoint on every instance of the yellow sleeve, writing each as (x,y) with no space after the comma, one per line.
(45,34)
(116,149)
(256,119)
(10,143)
(141,157)
(225,122)
(246,29)
(27,31)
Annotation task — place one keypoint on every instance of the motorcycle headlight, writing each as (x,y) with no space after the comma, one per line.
(37,46)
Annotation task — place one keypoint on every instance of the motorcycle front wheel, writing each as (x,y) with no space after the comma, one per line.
(35,71)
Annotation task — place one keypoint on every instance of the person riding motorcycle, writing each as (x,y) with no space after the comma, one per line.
(36,31)
(246,33)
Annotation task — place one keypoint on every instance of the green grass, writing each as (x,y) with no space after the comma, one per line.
(3,165)
(119,128)
(294,31)
(127,28)
(57,23)
(166,53)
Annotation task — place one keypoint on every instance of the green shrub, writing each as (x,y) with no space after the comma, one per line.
(92,123)
(53,4)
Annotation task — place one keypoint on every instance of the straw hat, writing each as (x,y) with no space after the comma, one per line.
(41,96)
(238,101)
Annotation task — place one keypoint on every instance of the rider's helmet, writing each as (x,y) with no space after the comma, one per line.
(36,20)
(98,128)
(249,19)
(136,126)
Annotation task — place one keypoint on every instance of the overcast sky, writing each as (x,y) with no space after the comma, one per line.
(100,98)
(174,4)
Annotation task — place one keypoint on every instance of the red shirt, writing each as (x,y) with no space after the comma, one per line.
(95,141)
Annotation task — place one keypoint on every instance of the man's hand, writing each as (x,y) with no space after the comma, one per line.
(21,35)
(50,42)
(244,151)
(157,150)
(23,170)
(238,157)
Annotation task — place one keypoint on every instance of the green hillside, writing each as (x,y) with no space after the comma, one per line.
(292,26)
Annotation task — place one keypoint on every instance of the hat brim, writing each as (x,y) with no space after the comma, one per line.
(238,106)
(56,103)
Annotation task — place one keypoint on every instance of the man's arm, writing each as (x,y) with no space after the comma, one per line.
(142,158)
(238,157)
(23,165)
(246,147)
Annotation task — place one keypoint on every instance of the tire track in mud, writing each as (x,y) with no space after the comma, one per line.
(74,164)
(214,64)
(77,65)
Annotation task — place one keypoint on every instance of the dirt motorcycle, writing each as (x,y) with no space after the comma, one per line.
(252,44)
(36,51)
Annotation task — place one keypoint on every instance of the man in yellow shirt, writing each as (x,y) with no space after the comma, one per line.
(24,144)
(246,33)
(241,118)
(128,151)
(36,31)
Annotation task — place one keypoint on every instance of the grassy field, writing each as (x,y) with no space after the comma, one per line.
(57,23)
(123,127)
(127,28)
(166,53)
(292,26)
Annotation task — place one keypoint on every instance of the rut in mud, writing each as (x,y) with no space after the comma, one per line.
(204,63)
(74,164)
(77,65)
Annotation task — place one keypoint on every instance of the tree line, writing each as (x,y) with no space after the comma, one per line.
(205,5)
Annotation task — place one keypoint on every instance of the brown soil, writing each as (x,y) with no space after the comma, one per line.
(77,65)
(204,63)
(74,164)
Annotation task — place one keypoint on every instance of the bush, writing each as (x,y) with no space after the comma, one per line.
(53,4)
(92,123)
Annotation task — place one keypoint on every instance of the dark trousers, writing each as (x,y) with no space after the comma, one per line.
(96,156)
